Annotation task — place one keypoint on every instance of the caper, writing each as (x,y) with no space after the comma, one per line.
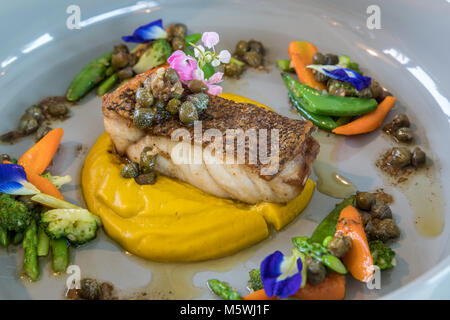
(340,245)
(387,229)
(173,106)
(28,124)
(171,76)
(253,58)
(159,104)
(364,93)
(380,210)
(36,112)
(256,46)
(90,289)
(200,101)
(119,60)
(320,77)
(147,160)
(188,113)
(401,120)
(319,58)
(146,178)
(4,157)
(316,271)
(57,110)
(130,170)
(120,48)
(197,86)
(399,157)
(403,134)
(143,117)
(176,30)
(366,217)
(178,43)
(241,48)
(125,73)
(376,88)
(144,97)
(233,70)
(418,157)
(331,58)
(42,131)
(365,200)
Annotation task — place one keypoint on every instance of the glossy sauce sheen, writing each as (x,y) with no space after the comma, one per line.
(172,221)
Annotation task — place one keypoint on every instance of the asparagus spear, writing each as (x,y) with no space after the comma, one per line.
(43,245)
(30,258)
(4,237)
(88,77)
(60,251)
(107,84)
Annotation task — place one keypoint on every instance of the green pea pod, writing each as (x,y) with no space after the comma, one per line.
(109,71)
(60,251)
(334,263)
(323,122)
(107,84)
(192,38)
(327,226)
(88,77)
(223,290)
(4,237)
(329,105)
(43,245)
(30,257)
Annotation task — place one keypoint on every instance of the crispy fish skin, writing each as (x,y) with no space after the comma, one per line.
(244,182)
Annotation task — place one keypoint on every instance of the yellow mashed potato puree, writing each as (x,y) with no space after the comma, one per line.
(172,221)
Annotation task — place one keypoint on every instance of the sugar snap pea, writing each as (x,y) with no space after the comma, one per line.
(107,84)
(88,77)
(223,290)
(4,237)
(30,257)
(43,245)
(327,227)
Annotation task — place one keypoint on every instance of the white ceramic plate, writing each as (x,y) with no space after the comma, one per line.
(408,55)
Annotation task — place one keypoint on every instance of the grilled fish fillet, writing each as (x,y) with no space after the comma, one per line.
(243,181)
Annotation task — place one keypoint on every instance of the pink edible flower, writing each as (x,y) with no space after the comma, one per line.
(210,39)
(183,64)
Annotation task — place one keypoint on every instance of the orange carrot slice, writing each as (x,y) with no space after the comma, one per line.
(258,295)
(331,288)
(44,185)
(358,260)
(369,121)
(301,54)
(39,156)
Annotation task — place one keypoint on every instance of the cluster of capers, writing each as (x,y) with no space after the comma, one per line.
(399,128)
(35,119)
(188,108)
(401,157)
(122,62)
(175,36)
(144,171)
(377,217)
(250,53)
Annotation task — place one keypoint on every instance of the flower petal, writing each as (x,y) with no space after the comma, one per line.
(199,51)
(214,90)
(356,79)
(151,31)
(198,74)
(215,78)
(183,64)
(282,276)
(210,39)
(215,62)
(224,56)
(13,180)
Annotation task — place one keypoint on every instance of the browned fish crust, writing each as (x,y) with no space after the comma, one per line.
(294,135)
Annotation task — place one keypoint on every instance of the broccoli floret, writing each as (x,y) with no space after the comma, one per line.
(255,282)
(14,215)
(156,55)
(382,255)
(58,181)
(77,225)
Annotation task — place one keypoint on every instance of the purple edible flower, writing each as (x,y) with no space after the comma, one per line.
(282,276)
(356,79)
(152,31)
(13,180)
